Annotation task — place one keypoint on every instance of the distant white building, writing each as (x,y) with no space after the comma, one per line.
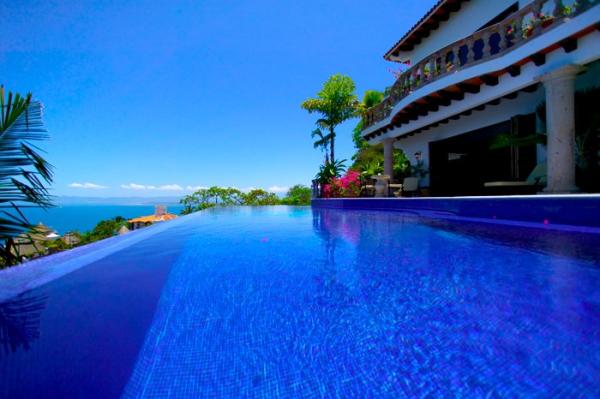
(479,69)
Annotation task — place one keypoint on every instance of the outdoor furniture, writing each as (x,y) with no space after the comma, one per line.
(534,182)
(367,187)
(381,185)
(410,186)
(394,188)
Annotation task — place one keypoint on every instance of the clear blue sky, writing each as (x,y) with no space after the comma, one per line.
(146,97)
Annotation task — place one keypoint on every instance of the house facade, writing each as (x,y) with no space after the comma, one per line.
(477,71)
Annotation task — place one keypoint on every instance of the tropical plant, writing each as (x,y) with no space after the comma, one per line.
(343,187)
(23,171)
(210,197)
(330,171)
(401,164)
(322,141)
(260,197)
(336,103)
(297,195)
(370,99)
(369,161)
(505,140)
(419,169)
(371,169)
(104,229)
(196,201)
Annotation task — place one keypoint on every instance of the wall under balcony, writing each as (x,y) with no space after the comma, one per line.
(525,103)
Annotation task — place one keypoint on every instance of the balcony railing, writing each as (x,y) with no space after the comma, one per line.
(493,41)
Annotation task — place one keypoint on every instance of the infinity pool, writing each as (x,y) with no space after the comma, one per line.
(308,303)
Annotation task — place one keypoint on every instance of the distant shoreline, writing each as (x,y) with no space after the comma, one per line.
(81,217)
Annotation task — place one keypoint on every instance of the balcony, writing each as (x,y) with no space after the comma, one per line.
(528,23)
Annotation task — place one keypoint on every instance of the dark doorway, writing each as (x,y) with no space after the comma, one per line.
(460,165)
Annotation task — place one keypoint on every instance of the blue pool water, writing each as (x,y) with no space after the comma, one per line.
(308,303)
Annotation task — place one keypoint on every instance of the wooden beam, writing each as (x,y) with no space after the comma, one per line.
(419,110)
(469,88)
(452,95)
(569,44)
(490,80)
(431,107)
(514,70)
(434,24)
(454,7)
(437,101)
(538,59)
(412,117)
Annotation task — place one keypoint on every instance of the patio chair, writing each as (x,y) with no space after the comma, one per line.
(410,187)
(534,182)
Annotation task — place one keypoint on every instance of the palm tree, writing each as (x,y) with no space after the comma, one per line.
(23,171)
(322,142)
(336,102)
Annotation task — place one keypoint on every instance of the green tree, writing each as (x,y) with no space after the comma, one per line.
(104,229)
(210,197)
(23,171)
(370,99)
(297,195)
(260,197)
(335,103)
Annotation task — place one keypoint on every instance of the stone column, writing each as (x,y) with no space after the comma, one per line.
(388,158)
(560,125)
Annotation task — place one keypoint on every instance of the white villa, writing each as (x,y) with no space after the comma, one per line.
(483,68)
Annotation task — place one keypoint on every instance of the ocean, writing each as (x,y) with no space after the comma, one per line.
(83,218)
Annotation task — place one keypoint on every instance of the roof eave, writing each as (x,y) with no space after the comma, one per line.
(426,19)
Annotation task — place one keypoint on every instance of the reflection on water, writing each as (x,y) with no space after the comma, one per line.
(20,322)
(314,303)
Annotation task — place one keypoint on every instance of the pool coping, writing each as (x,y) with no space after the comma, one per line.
(36,272)
(573,212)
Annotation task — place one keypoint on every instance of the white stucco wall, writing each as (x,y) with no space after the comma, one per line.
(587,52)
(463,23)
(525,103)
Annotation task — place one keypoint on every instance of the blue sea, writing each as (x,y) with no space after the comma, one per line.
(83,218)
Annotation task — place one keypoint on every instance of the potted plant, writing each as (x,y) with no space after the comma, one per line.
(419,170)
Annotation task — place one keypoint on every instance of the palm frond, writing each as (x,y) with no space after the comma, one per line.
(24,173)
